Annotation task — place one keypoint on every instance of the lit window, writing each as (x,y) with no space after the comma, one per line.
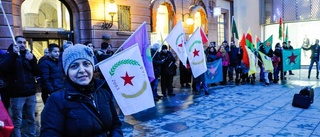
(221,29)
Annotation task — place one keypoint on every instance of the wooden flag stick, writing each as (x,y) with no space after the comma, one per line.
(5,16)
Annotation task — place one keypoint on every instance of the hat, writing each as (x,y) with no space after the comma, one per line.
(78,51)
(164,47)
(104,45)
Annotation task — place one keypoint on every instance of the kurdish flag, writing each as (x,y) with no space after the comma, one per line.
(267,62)
(177,41)
(214,72)
(141,37)
(291,59)
(128,80)
(196,54)
(249,41)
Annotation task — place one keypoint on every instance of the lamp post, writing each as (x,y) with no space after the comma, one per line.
(189,19)
(112,7)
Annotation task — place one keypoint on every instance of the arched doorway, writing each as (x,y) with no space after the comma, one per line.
(44,23)
(200,18)
(162,19)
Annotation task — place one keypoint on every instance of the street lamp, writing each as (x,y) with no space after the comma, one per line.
(112,8)
(189,19)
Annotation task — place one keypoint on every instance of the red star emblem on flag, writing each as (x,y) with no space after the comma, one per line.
(292,58)
(196,52)
(127,79)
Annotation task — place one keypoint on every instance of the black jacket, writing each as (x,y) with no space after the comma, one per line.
(156,61)
(20,73)
(315,51)
(168,67)
(70,113)
(52,75)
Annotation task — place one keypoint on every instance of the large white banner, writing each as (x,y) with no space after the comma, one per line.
(128,80)
(196,54)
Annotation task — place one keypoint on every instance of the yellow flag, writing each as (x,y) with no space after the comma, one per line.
(267,62)
(252,64)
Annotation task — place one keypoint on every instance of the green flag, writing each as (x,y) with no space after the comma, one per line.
(268,44)
(291,59)
(234,28)
(286,37)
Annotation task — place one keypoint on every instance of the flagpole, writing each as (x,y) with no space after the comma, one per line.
(129,37)
(5,16)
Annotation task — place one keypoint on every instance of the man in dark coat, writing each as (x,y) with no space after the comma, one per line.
(315,51)
(20,66)
(168,70)
(52,72)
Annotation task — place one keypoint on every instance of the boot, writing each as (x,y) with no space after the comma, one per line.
(206,93)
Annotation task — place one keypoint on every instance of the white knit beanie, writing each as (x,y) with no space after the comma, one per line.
(72,53)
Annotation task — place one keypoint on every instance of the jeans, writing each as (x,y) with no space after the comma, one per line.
(276,73)
(154,86)
(261,73)
(311,65)
(26,105)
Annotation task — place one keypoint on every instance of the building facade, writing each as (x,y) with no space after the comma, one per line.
(55,21)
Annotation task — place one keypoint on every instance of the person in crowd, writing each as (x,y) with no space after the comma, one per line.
(105,52)
(275,62)
(278,52)
(66,45)
(234,60)
(211,55)
(83,108)
(238,65)
(185,75)
(157,61)
(262,68)
(21,69)
(287,46)
(200,82)
(45,55)
(52,73)
(222,53)
(90,45)
(315,51)
(168,70)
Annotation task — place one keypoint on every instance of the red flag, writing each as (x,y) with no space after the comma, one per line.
(245,57)
(203,36)
(4,117)
(280,29)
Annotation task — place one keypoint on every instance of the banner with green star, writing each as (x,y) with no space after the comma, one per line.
(291,59)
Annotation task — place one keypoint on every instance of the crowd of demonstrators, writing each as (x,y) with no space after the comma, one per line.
(314,58)
(83,107)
